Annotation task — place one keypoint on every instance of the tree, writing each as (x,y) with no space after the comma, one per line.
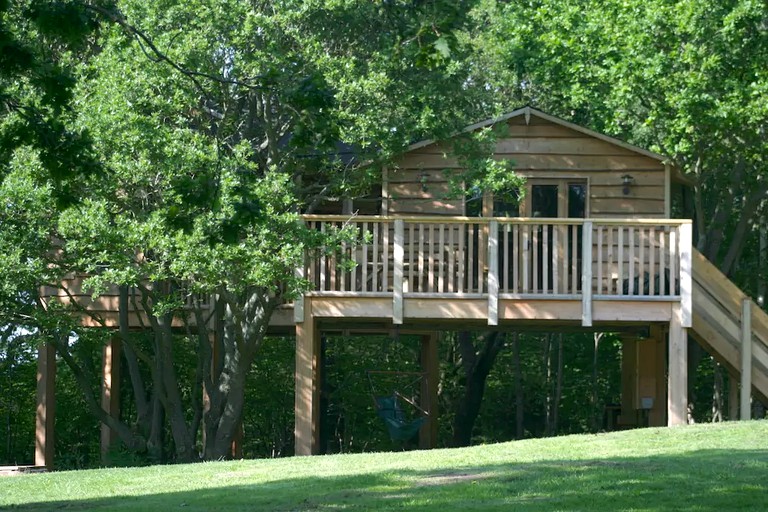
(234,119)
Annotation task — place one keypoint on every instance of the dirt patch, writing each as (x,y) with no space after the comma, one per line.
(450,478)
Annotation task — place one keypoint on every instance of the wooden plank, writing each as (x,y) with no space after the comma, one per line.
(402,180)
(493,273)
(525,263)
(505,270)
(415,189)
(745,397)
(545,252)
(411,260)
(470,256)
(527,309)
(352,307)
(560,146)
(652,237)
(586,275)
(677,387)
(616,191)
(462,309)
(686,274)
(556,256)
(323,261)
(641,270)
(535,259)
(620,261)
(637,207)
(517,254)
(630,310)
(426,207)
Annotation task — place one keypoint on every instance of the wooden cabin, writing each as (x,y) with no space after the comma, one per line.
(590,246)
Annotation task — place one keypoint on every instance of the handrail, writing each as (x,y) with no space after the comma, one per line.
(591,259)
(608,221)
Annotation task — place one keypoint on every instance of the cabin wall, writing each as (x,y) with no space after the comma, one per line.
(417,184)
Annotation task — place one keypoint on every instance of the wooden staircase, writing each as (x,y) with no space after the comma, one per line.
(718,308)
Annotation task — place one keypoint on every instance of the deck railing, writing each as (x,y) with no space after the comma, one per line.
(507,258)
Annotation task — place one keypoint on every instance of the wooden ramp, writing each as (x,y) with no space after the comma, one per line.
(720,309)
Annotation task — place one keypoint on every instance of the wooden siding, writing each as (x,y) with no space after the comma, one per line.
(539,149)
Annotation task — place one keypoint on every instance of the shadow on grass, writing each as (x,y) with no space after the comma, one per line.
(706,480)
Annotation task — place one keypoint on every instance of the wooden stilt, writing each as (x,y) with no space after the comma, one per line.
(307,401)
(745,398)
(430,366)
(46,406)
(110,393)
(677,384)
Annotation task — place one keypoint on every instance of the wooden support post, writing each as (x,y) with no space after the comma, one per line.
(586,275)
(110,393)
(658,414)
(430,366)
(745,402)
(686,273)
(46,406)
(493,273)
(307,393)
(677,383)
(397,279)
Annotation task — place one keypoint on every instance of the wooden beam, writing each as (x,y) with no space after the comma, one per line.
(586,275)
(430,365)
(667,190)
(397,279)
(745,400)
(493,273)
(307,393)
(677,382)
(686,274)
(46,406)
(110,393)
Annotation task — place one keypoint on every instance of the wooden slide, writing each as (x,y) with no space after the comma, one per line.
(717,319)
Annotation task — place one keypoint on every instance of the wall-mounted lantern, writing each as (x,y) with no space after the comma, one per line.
(423,178)
(627,180)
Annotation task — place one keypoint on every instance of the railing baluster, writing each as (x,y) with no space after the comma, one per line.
(505,261)
(364,270)
(440,258)
(663,263)
(385,257)
(431,264)
(516,254)
(651,260)
(641,262)
(610,286)
(526,263)
(470,257)
(375,265)
(451,270)
(461,262)
(411,261)
(575,283)
(599,260)
(673,252)
(421,258)
(545,255)
(631,262)
(620,282)
(322,260)
(535,262)
(556,259)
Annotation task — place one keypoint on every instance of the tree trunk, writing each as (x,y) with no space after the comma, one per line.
(558,386)
(519,396)
(547,361)
(717,395)
(477,365)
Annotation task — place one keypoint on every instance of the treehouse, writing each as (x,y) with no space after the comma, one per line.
(590,246)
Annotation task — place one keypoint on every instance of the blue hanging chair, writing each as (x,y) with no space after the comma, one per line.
(389,408)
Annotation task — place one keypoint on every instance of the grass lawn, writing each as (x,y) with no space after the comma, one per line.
(696,468)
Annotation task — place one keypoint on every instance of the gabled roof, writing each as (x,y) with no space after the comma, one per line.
(528,111)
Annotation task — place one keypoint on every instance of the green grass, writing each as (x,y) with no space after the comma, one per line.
(696,468)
